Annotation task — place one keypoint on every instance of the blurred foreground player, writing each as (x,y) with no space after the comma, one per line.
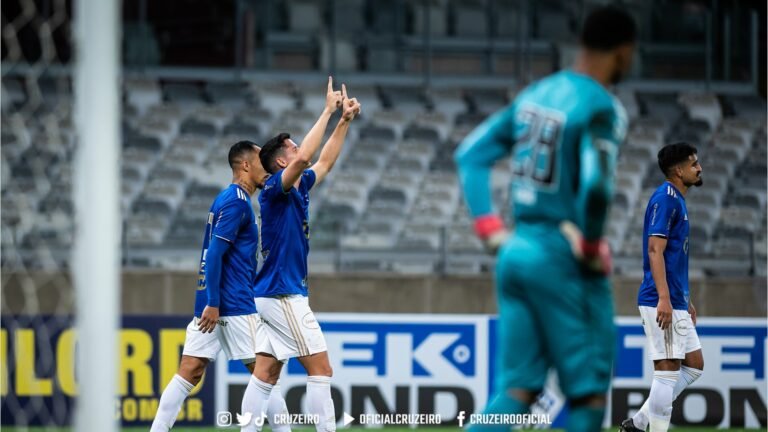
(281,290)
(227,271)
(555,303)
(669,318)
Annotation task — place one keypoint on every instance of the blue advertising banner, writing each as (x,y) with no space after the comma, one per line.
(444,364)
(439,365)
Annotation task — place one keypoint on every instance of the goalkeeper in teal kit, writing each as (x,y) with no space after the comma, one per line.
(555,305)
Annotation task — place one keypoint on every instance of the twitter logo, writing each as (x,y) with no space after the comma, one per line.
(245,419)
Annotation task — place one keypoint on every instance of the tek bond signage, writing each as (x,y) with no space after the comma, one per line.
(388,369)
(425,366)
(437,369)
(730,393)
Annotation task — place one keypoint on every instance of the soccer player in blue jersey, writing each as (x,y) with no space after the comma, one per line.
(669,318)
(226,274)
(281,287)
(555,303)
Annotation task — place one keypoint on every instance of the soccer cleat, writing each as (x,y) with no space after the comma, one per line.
(629,426)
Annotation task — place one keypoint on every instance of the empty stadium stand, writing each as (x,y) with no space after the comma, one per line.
(392,203)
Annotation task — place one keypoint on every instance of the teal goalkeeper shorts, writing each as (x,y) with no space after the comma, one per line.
(551,315)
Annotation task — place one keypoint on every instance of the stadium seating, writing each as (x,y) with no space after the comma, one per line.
(394,190)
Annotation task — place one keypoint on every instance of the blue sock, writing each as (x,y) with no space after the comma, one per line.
(585,419)
(502,403)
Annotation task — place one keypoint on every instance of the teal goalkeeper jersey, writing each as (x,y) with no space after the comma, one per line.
(563,133)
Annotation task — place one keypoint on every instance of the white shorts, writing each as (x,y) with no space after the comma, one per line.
(236,335)
(676,341)
(290,327)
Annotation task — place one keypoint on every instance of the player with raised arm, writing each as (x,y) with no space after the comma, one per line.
(281,287)
(669,318)
(555,302)
(226,273)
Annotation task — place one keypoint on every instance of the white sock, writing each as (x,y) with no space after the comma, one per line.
(640,420)
(687,376)
(255,403)
(319,402)
(170,403)
(276,405)
(660,399)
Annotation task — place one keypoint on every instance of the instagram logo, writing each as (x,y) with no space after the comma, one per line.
(223,418)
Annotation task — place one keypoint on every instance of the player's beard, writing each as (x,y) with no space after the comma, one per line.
(699,181)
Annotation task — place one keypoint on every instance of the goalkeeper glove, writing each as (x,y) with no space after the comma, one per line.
(491,230)
(595,255)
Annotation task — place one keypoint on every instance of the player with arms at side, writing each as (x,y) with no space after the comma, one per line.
(669,318)
(227,270)
(281,287)
(555,302)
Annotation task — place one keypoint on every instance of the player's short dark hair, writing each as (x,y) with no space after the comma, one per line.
(608,27)
(239,151)
(673,154)
(271,150)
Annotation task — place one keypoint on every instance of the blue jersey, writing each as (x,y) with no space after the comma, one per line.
(563,133)
(231,218)
(666,216)
(284,237)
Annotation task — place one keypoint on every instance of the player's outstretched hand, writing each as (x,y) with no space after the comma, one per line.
(595,255)
(491,230)
(208,319)
(351,106)
(333,99)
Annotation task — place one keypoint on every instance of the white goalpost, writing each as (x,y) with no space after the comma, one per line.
(96,261)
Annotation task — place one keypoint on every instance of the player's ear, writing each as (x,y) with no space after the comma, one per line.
(281,162)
